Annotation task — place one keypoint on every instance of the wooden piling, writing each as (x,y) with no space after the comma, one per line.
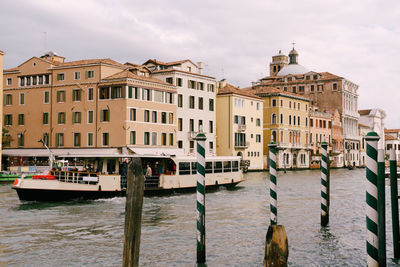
(276,247)
(133,213)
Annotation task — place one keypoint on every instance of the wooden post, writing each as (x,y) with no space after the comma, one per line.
(133,213)
(276,247)
(395,204)
(381,209)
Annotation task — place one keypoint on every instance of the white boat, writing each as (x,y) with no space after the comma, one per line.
(106,178)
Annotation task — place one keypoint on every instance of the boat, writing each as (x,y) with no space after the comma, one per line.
(7,177)
(106,178)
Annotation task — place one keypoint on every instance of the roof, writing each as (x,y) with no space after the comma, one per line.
(193,73)
(323,76)
(363,125)
(392,130)
(171,63)
(260,90)
(125,74)
(292,69)
(136,66)
(107,61)
(389,137)
(364,111)
(230,89)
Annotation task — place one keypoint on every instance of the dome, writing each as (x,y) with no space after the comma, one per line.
(292,69)
(293,52)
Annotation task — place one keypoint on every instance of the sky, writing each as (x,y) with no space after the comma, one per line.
(358,40)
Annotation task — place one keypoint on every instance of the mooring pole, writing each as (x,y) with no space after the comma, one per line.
(201,207)
(395,203)
(272,184)
(324,185)
(372,199)
(133,213)
(381,208)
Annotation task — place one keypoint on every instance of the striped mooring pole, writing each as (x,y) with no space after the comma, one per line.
(272,184)
(201,207)
(394,203)
(372,199)
(324,185)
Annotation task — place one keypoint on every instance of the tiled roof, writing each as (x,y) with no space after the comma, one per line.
(389,137)
(125,74)
(392,130)
(230,89)
(13,69)
(136,66)
(364,112)
(193,73)
(272,90)
(91,61)
(324,76)
(172,63)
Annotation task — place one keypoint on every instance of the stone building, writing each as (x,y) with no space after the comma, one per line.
(1,103)
(392,141)
(375,119)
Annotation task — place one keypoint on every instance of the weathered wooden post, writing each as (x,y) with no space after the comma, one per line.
(201,207)
(276,244)
(395,203)
(133,213)
(324,185)
(381,209)
(372,199)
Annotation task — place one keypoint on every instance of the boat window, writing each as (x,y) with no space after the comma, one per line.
(227,166)
(235,166)
(194,167)
(184,168)
(218,166)
(209,167)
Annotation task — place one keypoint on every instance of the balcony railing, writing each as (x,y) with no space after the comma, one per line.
(242,145)
(242,127)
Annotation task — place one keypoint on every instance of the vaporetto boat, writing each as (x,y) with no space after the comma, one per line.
(103,177)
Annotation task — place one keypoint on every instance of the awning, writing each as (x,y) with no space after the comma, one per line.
(156,152)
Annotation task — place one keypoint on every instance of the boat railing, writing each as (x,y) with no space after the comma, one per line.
(152,181)
(80,177)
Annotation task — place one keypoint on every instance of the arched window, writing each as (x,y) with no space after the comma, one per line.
(294,120)
(290,119)
(273,121)
(274,68)
(290,104)
(306,121)
(273,136)
(298,121)
(281,119)
(281,136)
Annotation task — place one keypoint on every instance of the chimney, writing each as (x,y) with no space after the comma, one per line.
(222,83)
(200,66)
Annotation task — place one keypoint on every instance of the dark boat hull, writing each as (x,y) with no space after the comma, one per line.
(62,195)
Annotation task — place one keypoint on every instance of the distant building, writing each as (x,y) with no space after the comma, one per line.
(337,140)
(320,131)
(392,141)
(239,125)
(325,90)
(1,103)
(286,123)
(375,119)
(363,131)
(195,101)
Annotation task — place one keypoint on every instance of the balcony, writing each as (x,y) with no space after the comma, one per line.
(242,127)
(282,145)
(242,145)
(192,135)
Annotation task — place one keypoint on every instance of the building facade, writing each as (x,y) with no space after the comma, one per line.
(285,122)
(196,98)
(375,119)
(239,125)
(320,131)
(337,140)
(96,103)
(392,141)
(1,103)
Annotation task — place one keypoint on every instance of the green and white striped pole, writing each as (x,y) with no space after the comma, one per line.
(201,207)
(395,203)
(372,199)
(381,209)
(324,185)
(272,184)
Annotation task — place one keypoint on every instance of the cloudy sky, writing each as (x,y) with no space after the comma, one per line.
(359,39)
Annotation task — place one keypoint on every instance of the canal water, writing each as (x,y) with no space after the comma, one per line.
(90,233)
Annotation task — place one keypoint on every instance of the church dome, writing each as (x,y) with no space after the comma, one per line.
(292,69)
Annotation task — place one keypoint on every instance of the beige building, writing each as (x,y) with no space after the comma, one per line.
(1,103)
(239,125)
(96,103)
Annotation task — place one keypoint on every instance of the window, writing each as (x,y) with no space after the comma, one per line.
(306,121)
(320,87)
(274,102)
(236,119)
(200,125)
(46,139)
(106,137)
(329,124)
(132,114)
(164,139)
(61,117)
(200,86)
(147,115)
(116,92)
(21,119)
(154,139)
(298,120)
(191,102)
(217,166)
(281,119)
(46,97)
(90,94)
(59,139)
(154,116)
(227,166)
(76,117)
(211,104)
(77,75)
(34,80)
(171,118)
(180,124)
(334,86)
(90,116)
(169,80)
(60,96)
(312,88)
(211,126)
(146,94)
(137,93)
(132,138)
(180,144)
(47,79)
(273,119)
(290,104)
(211,146)
(105,115)
(290,119)
(311,123)
(28,80)
(258,138)
(210,87)
(180,101)
(8,119)
(9,81)
(21,98)
(60,77)
(200,103)
(315,77)
(294,89)
(77,139)
(146,138)
(294,120)
(163,117)
(76,95)
(191,125)
(324,124)
(184,168)
(21,139)
(8,99)
(301,89)
(179,82)
(22,81)
(191,84)
(104,93)
(45,118)
(258,121)
(89,74)
(90,139)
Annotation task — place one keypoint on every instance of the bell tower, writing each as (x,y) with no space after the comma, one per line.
(278,62)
